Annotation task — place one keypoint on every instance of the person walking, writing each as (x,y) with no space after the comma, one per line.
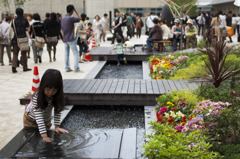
(229,23)
(20,26)
(201,23)
(37,29)
(67,25)
(139,25)
(98,29)
(215,23)
(150,23)
(30,21)
(117,27)
(81,34)
(5,43)
(105,26)
(130,26)
(52,28)
(222,25)
(208,19)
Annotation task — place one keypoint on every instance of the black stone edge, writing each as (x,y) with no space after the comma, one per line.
(20,139)
(96,70)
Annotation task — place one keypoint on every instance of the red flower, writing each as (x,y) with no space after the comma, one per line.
(159,118)
(184,118)
(163,110)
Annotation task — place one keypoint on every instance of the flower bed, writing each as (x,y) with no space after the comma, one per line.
(182,115)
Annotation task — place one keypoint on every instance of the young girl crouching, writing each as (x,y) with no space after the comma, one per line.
(49,95)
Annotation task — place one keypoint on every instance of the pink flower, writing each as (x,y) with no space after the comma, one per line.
(227,104)
(182,103)
(198,127)
(179,128)
(162,110)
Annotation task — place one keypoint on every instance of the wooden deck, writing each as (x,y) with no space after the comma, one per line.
(120,91)
(108,54)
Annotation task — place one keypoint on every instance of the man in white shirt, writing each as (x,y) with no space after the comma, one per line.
(105,26)
(150,23)
(4,31)
(222,25)
(201,23)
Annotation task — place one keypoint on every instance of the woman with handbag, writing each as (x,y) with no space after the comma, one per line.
(37,32)
(53,28)
(20,40)
(81,33)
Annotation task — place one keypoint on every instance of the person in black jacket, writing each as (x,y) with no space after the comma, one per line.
(37,29)
(53,28)
(20,26)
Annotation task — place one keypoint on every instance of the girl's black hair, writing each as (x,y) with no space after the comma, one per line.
(51,79)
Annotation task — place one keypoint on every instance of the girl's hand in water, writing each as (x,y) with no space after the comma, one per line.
(46,138)
(59,130)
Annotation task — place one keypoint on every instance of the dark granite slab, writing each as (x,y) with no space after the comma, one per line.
(95,143)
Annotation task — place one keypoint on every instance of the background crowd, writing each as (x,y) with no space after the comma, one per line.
(78,31)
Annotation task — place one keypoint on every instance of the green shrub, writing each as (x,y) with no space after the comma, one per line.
(166,143)
(228,151)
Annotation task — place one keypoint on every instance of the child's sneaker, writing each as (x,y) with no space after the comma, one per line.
(125,61)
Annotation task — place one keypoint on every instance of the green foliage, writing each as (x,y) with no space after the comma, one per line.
(227,129)
(192,71)
(166,143)
(229,151)
(202,44)
(217,53)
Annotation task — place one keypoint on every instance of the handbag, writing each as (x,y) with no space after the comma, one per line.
(39,41)
(53,40)
(22,42)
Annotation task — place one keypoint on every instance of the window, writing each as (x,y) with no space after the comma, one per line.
(156,11)
(135,11)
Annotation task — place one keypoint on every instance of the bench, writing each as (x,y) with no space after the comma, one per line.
(160,44)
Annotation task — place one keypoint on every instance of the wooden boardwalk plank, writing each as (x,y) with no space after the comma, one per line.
(166,85)
(161,87)
(83,87)
(71,86)
(155,87)
(107,86)
(137,89)
(125,86)
(143,87)
(172,85)
(102,86)
(113,86)
(131,86)
(96,86)
(178,85)
(89,87)
(78,85)
(65,87)
(149,87)
(183,84)
(119,86)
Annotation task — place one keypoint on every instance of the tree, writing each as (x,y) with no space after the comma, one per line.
(177,6)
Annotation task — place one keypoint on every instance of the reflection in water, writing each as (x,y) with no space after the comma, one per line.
(91,144)
(108,117)
(129,71)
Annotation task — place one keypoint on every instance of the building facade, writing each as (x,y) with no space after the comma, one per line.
(217,5)
(90,7)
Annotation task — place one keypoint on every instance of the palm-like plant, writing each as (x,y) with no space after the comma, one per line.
(217,52)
